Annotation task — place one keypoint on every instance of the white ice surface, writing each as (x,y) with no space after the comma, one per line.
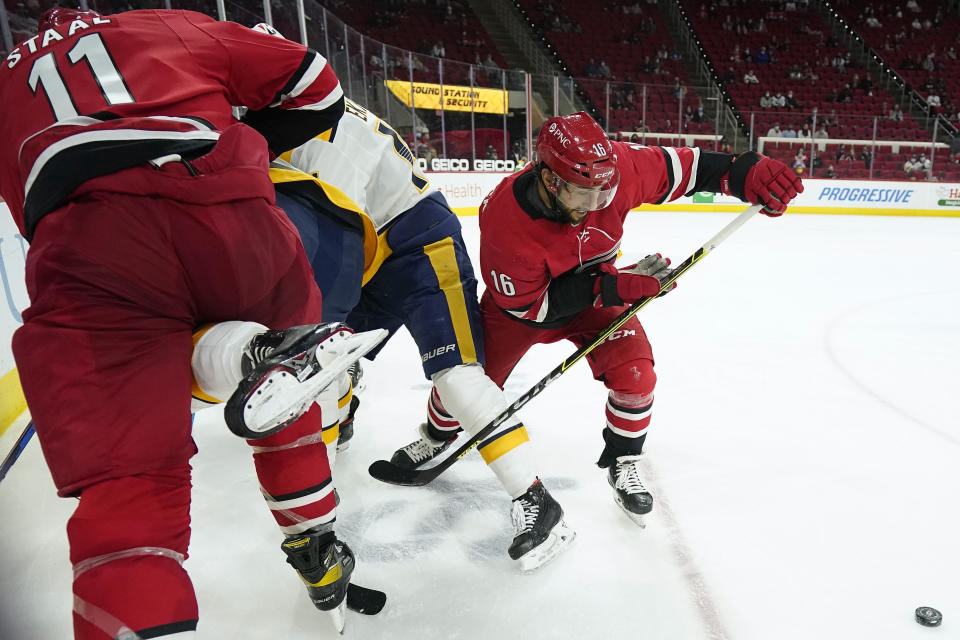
(804,454)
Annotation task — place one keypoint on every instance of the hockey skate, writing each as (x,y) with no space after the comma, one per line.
(346,426)
(420,451)
(325,565)
(629,492)
(356,376)
(285,370)
(541,532)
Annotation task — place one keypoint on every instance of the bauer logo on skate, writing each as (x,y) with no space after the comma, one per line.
(439,351)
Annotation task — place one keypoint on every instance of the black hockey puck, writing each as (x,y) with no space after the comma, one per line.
(928,616)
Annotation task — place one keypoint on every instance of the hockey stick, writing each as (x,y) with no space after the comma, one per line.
(18,448)
(386,471)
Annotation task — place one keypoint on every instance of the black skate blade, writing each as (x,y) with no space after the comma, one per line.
(386,471)
(364,600)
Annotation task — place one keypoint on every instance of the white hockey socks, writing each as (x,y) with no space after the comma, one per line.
(474,400)
(217,353)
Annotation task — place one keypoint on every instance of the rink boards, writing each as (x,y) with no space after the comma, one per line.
(465,191)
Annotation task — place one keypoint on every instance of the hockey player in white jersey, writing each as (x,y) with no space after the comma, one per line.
(419,276)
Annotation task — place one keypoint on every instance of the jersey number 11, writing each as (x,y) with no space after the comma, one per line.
(92,49)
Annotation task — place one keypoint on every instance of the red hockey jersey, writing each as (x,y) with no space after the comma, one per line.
(89,98)
(524,257)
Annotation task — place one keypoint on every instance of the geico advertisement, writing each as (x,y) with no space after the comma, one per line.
(13,290)
(463,164)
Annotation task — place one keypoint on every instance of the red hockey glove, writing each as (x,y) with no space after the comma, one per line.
(641,280)
(757,179)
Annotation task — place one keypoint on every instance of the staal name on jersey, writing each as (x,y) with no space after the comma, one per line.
(49,36)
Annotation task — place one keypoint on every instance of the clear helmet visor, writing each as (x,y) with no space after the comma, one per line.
(584,199)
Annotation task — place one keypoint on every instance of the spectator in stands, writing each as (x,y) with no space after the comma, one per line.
(779,102)
(491,153)
(437,51)
(924,164)
(839,63)
(750,77)
(866,156)
(604,69)
(762,57)
(821,133)
(678,91)
(730,77)
(427,151)
(800,161)
(845,94)
(804,132)
(910,167)
(795,73)
(766,100)
(830,173)
(700,115)
(774,131)
(913,6)
(591,70)
(846,156)
(873,22)
(790,102)
(916,25)
(933,100)
(896,113)
(789,132)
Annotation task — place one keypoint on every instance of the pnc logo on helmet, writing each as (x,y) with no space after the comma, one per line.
(564,140)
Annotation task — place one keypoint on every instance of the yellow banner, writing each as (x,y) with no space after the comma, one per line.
(455,97)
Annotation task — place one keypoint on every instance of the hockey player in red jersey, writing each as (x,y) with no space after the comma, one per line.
(150,212)
(549,236)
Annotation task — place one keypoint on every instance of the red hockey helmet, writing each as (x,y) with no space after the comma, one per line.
(62,15)
(576,149)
